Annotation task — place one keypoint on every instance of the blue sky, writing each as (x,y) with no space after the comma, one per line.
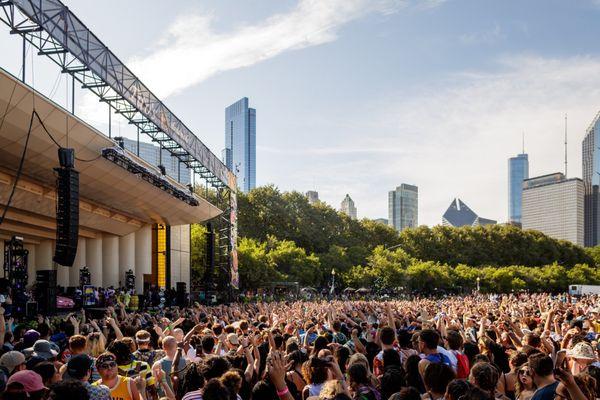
(358,96)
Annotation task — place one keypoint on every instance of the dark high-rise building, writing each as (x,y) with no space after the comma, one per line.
(459,214)
(591,182)
(239,154)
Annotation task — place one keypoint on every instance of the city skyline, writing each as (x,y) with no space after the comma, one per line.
(412,116)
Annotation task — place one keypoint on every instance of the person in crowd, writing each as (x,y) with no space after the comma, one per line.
(121,387)
(524,386)
(522,346)
(10,362)
(28,382)
(428,345)
(541,368)
(436,378)
(79,369)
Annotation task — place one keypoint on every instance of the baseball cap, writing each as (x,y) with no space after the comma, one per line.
(79,365)
(30,380)
(12,360)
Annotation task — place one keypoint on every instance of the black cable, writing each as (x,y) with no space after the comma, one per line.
(58,144)
(6,111)
(18,176)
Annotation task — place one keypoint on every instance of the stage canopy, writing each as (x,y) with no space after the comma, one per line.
(112,199)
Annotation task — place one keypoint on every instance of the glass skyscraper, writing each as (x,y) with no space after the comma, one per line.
(591,181)
(403,207)
(239,154)
(518,171)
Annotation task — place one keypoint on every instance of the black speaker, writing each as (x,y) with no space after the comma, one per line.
(67,216)
(45,291)
(181,297)
(31,309)
(46,277)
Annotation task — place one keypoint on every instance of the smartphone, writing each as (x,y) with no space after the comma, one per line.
(561,357)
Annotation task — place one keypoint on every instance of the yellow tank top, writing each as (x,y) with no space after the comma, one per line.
(121,390)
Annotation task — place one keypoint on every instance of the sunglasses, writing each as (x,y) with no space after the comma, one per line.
(524,372)
(107,365)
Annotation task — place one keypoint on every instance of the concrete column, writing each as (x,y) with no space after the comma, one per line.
(126,256)
(110,261)
(43,255)
(30,264)
(186,255)
(175,254)
(93,253)
(62,275)
(143,256)
(80,260)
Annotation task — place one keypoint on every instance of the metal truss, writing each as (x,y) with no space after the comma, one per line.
(58,34)
(50,27)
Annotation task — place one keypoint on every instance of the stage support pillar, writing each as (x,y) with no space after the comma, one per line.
(43,255)
(93,250)
(110,261)
(80,260)
(143,256)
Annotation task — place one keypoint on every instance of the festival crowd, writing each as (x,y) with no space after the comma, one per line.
(517,346)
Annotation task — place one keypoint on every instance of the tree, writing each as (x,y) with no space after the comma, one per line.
(255,267)
(198,253)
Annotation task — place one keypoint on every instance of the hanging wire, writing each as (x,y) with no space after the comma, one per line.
(19,171)
(58,144)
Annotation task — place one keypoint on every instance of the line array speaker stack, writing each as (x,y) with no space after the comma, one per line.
(67,209)
(45,291)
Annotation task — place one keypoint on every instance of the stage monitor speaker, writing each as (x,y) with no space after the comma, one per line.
(67,216)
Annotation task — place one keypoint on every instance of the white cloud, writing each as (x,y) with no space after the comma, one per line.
(192,51)
(456,136)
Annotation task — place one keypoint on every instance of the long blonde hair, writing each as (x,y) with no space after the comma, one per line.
(95,344)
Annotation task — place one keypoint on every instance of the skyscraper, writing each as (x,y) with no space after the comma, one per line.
(518,170)
(553,205)
(459,214)
(591,181)
(239,154)
(348,207)
(312,196)
(403,207)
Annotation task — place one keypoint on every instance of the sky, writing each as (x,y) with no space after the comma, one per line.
(359,96)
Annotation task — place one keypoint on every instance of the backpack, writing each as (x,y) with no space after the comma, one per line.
(462,366)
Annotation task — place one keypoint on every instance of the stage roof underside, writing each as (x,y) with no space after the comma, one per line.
(112,200)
